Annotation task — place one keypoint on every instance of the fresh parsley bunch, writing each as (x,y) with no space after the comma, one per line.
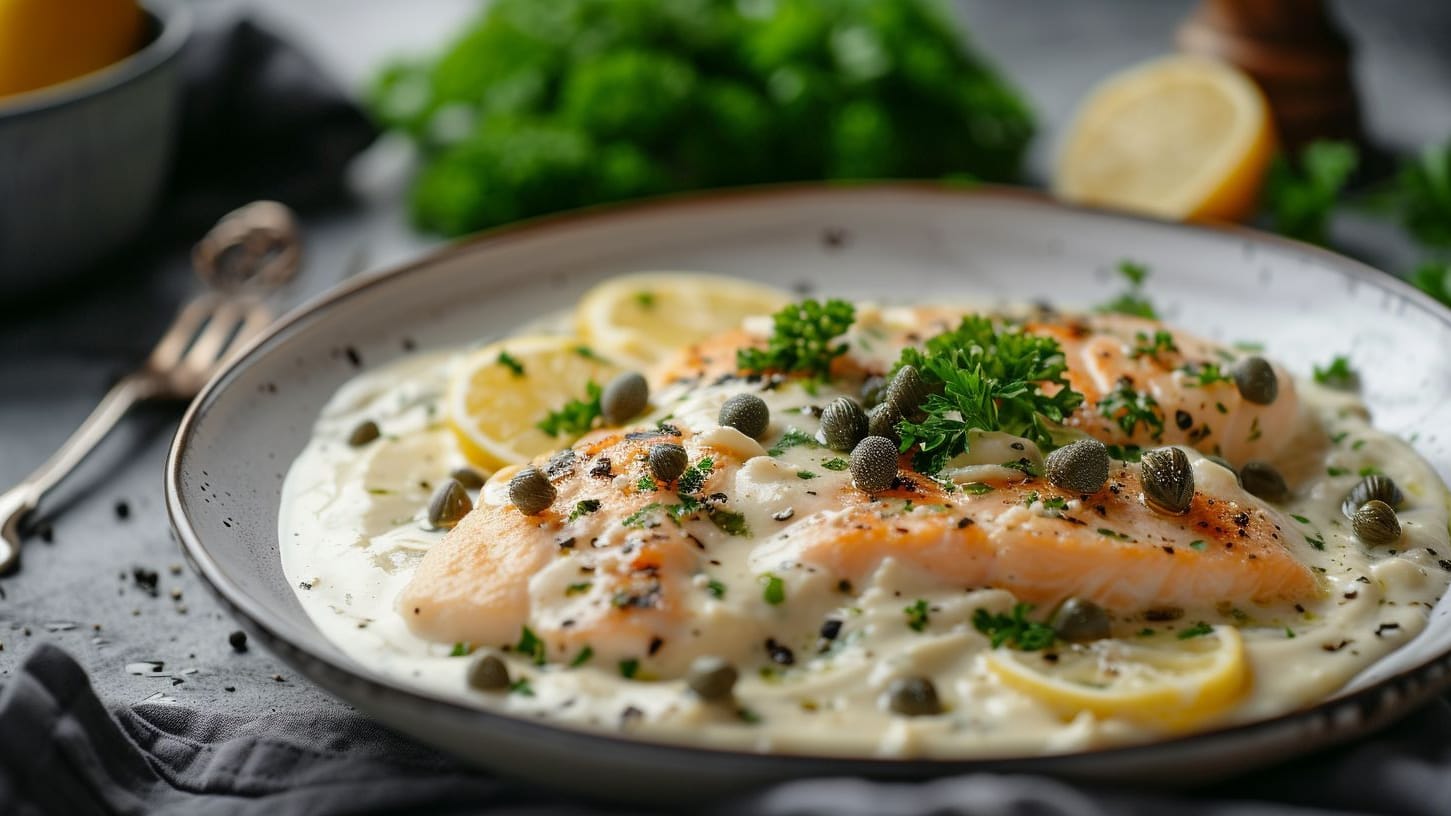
(805,338)
(1301,195)
(986,379)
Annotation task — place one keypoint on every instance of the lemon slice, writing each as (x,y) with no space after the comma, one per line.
(498,394)
(641,319)
(1158,681)
(1180,137)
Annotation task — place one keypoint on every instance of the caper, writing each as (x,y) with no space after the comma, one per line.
(1263,480)
(1255,378)
(907,390)
(1078,620)
(711,677)
(530,491)
(882,421)
(1372,487)
(488,672)
(913,697)
(872,390)
(843,424)
(1376,524)
(668,461)
(746,413)
(450,503)
(874,464)
(1167,480)
(624,398)
(1081,466)
(468,477)
(365,432)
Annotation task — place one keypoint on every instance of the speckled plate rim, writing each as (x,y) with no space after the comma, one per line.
(1332,721)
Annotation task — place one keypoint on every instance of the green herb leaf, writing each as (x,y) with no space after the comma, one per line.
(805,474)
(1014,630)
(729,521)
(1197,544)
(647,484)
(461,650)
(773,589)
(917,615)
(629,667)
(521,687)
(1434,278)
(579,588)
(977,488)
(530,646)
(1337,374)
(1199,629)
(1423,196)
(583,508)
(716,589)
(791,439)
(576,416)
(803,340)
(1128,408)
(1162,342)
(1205,374)
(583,657)
(693,479)
(1131,302)
(989,379)
(1301,194)
(836,463)
(512,363)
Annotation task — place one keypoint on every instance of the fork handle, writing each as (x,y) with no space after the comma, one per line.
(20,500)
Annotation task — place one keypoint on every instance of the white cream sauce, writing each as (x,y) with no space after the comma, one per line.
(351,536)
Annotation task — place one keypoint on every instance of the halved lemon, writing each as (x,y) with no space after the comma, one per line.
(1179,137)
(1160,681)
(500,393)
(640,319)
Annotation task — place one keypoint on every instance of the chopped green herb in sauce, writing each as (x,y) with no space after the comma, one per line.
(512,363)
(1199,629)
(917,615)
(773,589)
(1014,630)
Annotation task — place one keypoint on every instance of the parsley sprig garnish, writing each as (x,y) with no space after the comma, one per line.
(1338,374)
(987,379)
(576,416)
(1301,194)
(1132,301)
(1129,408)
(804,340)
(1014,630)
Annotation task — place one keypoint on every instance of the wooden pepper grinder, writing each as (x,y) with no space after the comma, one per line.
(1297,53)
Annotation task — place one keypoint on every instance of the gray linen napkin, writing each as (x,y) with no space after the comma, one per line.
(62,751)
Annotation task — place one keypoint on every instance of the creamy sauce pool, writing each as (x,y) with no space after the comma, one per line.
(352,535)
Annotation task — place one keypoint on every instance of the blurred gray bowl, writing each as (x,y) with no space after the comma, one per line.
(82,163)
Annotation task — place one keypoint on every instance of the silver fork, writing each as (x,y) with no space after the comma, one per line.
(248,253)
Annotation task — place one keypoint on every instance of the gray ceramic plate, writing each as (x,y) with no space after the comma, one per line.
(226,467)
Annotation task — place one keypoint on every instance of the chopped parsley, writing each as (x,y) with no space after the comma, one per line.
(693,479)
(461,650)
(773,589)
(990,379)
(1055,503)
(1205,374)
(1132,301)
(1315,541)
(576,589)
(791,439)
(629,667)
(1337,374)
(715,588)
(1126,453)
(1199,629)
(587,353)
(917,617)
(530,646)
(1197,544)
(647,484)
(1162,342)
(1370,470)
(1114,534)
(805,474)
(583,657)
(803,340)
(1434,278)
(521,687)
(512,363)
(576,416)
(645,299)
(1336,471)
(1129,408)
(584,508)
(836,463)
(729,521)
(977,488)
(1014,630)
